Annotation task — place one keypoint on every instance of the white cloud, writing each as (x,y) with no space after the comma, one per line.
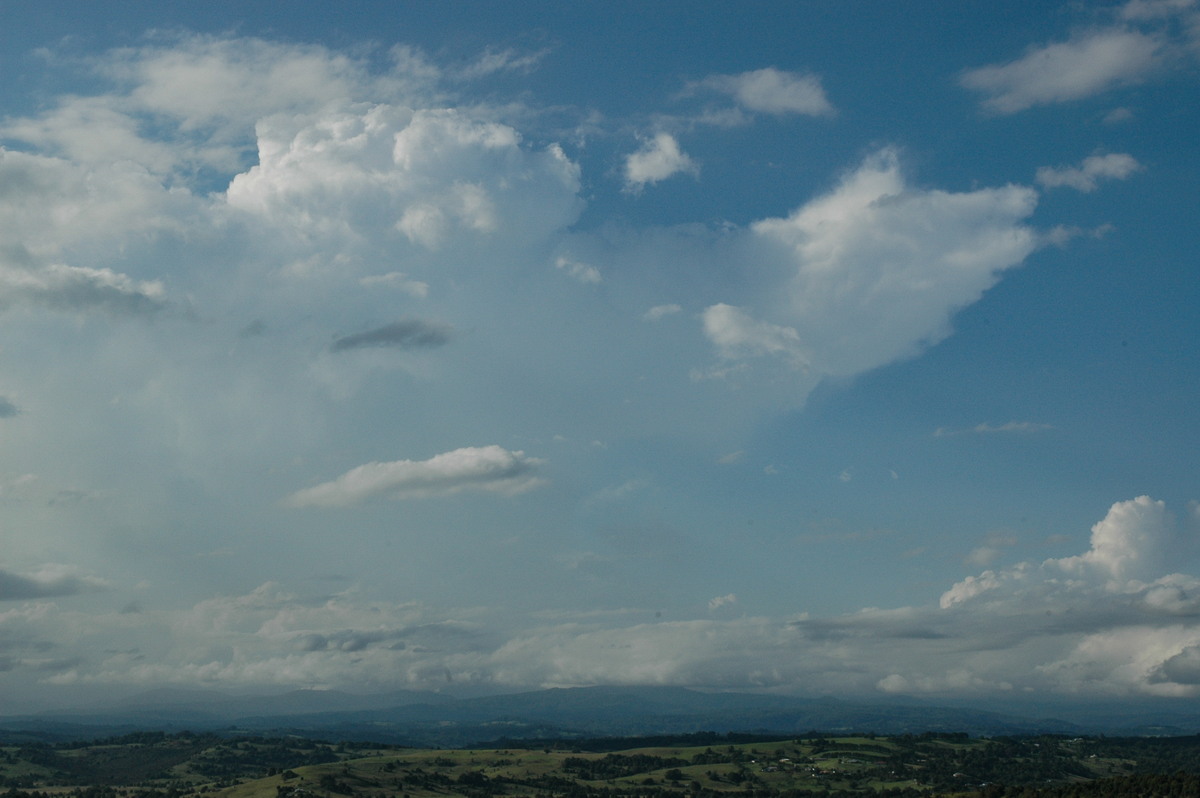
(658,159)
(722,601)
(1088,64)
(1138,539)
(78,288)
(1019,427)
(773,91)
(661,312)
(487,468)
(1116,166)
(397,280)
(736,335)
(580,271)
(880,267)
(1154,9)
(366,198)
(1025,629)
(354,178)
(492,61)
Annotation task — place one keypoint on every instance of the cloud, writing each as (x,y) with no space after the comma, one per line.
(374,182)
(493,61)
(773,91)
(878,268)
(79,288)
(737,335)
(1032,629)
(1116,165)
(397,280)
(658,159)
(49,582)
(1018,427)
(1085,65)
(1154,9)
(580,271)
(404,334)
(7,408)
(1138,539)
(722,601)
(659,312)
(487,468)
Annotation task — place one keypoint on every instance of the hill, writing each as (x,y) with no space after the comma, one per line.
(155,765)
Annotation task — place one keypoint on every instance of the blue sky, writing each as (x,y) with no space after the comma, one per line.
(818,348)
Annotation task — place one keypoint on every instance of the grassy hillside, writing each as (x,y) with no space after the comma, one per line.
(162,766)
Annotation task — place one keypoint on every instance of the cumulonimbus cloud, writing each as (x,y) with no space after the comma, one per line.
(490,469)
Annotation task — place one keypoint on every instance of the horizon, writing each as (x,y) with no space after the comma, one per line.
(819,347)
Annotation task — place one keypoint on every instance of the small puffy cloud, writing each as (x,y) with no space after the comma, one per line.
(722,601)
(736,334)
(661,312)
(773,91)
(487,468)
(7,408)
(1088,64)
(1115,166)
(49,582)
(404,334)
(658,159)
(580,271)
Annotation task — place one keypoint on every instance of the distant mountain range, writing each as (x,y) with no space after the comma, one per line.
(429,719)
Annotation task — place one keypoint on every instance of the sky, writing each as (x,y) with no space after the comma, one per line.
(813,347)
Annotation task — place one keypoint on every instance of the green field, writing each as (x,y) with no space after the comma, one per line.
(170,766)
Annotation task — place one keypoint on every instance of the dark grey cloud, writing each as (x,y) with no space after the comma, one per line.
(16,587)
(1183,668)
(405,334)
(7,408)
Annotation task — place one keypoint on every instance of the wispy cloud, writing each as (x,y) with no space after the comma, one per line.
(773,91)
(1085,177)
(1018,427)
(489,469)
(661,312)
(1088,64)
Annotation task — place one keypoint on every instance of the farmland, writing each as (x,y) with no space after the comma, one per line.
(156,765)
